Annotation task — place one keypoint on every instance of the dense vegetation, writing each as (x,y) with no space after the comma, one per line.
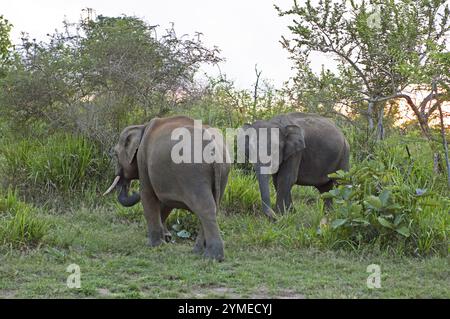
(64,101)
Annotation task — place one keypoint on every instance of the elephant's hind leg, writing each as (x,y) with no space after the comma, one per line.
(165,212)
(200,243)
(326,188)
(205,209)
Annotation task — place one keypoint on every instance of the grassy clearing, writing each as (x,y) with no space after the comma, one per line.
(297,257)
(115,262)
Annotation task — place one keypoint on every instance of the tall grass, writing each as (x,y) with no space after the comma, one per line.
(242,193)
(20,226)
(61,163)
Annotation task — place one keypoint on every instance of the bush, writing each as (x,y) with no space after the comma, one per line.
(378,201)
(183,224)
(61,163)
(19,224)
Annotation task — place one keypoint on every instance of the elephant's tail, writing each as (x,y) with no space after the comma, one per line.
(217,192)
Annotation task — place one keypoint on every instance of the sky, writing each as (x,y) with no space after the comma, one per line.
(246,31)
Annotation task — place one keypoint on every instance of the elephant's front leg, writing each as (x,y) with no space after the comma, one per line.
(285,179)
(152,213)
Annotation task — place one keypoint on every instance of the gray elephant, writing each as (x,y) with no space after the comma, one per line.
(144,152)
(310,147)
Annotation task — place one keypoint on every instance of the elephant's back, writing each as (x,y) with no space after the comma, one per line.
(172,175)
(326,147)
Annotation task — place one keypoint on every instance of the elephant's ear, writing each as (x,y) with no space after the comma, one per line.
(294,140)
(132,143)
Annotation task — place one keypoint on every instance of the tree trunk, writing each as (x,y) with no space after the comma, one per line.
(370,115)
(380,127)
(444,142)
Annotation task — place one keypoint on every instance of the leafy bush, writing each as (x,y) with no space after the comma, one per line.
(62,162)
(183,224)
(19,224)
(375,203)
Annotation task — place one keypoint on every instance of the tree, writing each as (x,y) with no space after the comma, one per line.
(382,47)
(5,43)
(98,75)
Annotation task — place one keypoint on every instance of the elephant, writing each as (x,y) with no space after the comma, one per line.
(310,147)
(144,152)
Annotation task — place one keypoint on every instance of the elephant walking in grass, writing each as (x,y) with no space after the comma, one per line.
(144,152)
(309,148)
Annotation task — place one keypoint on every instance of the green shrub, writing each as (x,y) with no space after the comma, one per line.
(19,224)
(183,224)
(375,203)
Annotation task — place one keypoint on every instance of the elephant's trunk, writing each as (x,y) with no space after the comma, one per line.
(263,181)
(124,198)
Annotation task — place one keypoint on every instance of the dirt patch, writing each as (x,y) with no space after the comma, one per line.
(7,294)
(103,292)
(230,293)
(263,293)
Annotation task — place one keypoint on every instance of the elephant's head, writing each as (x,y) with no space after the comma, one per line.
(126,164)
(274,143)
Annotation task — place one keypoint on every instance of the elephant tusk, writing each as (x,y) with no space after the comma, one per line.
(114,184)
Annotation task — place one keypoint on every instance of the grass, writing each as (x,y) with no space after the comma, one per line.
(19,224)
(297,257)
(115,262)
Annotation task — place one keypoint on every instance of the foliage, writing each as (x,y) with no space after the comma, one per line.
(378,201)
(5,44)
(61,163)
(380,46)
(97,76)
(241,194)
(183,224)
(19,224)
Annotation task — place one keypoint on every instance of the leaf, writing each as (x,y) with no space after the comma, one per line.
(404,231)
(176,227)
(361,221)
(355,209)
(338,223)
(398,219)
(384,197)
(385,223)
(340,174)
(374,202)
(184,234)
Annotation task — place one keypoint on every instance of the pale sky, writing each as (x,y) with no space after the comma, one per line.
(246,31)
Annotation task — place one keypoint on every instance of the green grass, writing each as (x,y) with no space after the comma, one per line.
(20,226)
(115,262)
(296,257)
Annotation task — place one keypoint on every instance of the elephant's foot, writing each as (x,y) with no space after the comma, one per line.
(198,249)
(156,239)
(270,214)
(199,246)
(214,251)
(156,243)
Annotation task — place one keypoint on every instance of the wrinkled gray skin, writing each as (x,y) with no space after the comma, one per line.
(144,152)
(310,148)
